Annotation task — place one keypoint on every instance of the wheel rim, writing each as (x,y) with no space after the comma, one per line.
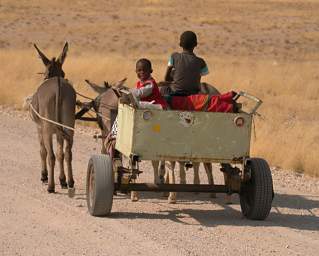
(91,186)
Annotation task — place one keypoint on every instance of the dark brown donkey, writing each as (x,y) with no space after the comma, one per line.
(52,103)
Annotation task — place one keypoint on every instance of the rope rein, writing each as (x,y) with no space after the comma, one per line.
(50,121)
(63,125)
(102,104)
(86,97)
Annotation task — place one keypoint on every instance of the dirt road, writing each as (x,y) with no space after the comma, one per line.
(33,222)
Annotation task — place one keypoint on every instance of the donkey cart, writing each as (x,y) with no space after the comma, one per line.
(156,135)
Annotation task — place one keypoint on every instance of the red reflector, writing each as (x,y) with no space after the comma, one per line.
(239,121)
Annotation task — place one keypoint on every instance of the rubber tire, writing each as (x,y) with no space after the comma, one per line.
(100,202)
(257,194)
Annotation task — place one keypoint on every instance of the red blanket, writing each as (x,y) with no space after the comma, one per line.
(202,102)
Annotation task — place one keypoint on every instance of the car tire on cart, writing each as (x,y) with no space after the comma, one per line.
(99,185)
(256,194)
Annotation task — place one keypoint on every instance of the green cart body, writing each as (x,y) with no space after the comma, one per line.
(179,136)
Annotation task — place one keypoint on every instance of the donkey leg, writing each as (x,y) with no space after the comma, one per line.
(164,176)
(134,194)
(155,165)
(196,174)
(60,158)
(103,149)
(51,160)
(209,171)
(227,197)
(182,174)
(43,154)
(162,172)
(68,159)
(171,175)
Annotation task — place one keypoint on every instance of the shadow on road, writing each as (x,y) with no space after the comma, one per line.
(304,219)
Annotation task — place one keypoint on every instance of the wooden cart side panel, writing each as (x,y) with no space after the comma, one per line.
(124,139)
(217,136)
(161,136)
(182,135)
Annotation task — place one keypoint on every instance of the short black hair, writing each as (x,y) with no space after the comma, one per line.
(188,40)
(145,62)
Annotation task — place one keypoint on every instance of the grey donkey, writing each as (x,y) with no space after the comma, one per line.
(54,100)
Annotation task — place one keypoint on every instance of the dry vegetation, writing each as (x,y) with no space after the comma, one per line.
(268,48)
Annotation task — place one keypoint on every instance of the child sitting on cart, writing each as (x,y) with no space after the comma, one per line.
(184,69)
(146,87)
(146,90)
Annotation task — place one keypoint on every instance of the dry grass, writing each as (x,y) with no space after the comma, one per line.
(287,134)
(268,48)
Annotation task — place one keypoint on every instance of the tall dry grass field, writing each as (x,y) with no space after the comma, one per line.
(269,49)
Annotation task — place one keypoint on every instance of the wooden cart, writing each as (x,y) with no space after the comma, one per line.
(145,134)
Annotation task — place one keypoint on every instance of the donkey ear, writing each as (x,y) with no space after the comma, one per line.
(120,83)
(96,88)
(63,53)
(106,85)
(44,58)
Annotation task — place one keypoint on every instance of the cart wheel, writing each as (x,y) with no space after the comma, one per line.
(256,194)
(99,185)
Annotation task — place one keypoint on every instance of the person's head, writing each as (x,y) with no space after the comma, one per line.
(143,69)
(188,40)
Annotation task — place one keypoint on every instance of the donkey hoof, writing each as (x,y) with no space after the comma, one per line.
(161,179)
(44,179)
(71,192)
(158,181)
(63,184)
(172,200)
(71,184)
(51,190)
(134,196)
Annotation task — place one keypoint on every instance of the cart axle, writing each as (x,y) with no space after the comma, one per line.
(174,188)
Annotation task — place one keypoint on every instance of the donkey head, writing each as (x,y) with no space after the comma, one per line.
(107,95)
(53,67)
(97,88)
(106,86)
(105,103)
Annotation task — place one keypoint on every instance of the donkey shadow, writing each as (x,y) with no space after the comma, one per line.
(230,216)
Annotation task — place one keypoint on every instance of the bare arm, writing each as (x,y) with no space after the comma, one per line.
(168,74)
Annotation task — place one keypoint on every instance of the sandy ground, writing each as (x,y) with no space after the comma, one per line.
(33,222)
